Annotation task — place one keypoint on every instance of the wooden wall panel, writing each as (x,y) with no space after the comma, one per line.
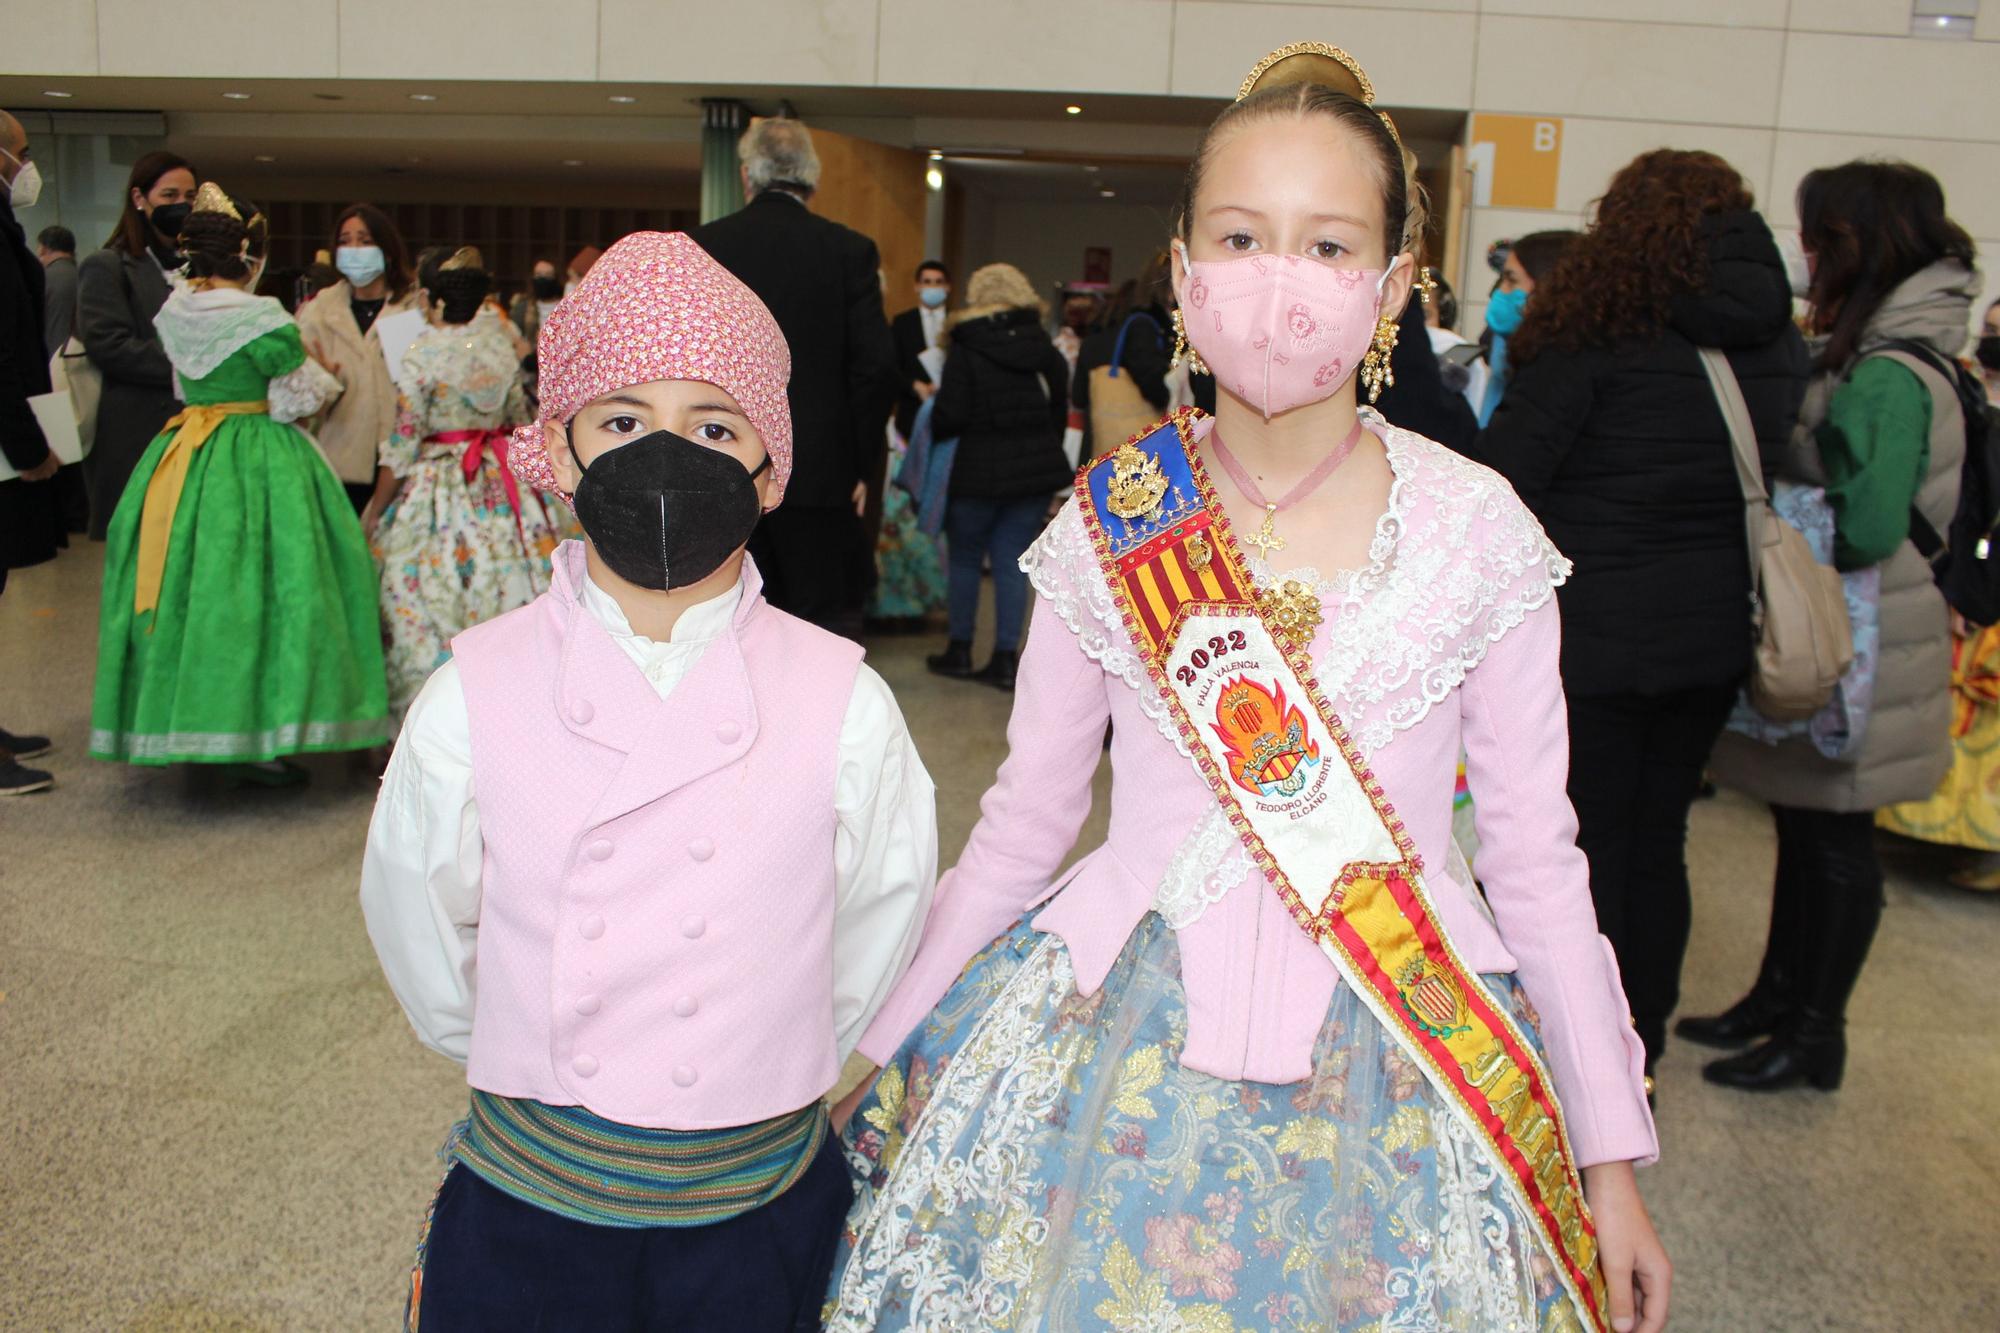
(879,191)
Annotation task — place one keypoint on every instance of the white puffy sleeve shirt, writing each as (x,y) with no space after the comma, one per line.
(420,877)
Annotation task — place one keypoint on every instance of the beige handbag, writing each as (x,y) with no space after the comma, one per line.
(1798,613)
(71,370)
(1118,411)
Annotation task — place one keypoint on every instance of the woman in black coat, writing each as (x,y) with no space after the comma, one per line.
(1610,432)
(119,290)
(1005,398)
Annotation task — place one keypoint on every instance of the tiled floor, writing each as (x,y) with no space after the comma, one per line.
(212,1115)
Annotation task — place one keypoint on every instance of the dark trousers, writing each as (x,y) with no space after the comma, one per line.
(817,564)
(976,529)
(1635,764)
(359,493)
(495,1262)
(1826,903)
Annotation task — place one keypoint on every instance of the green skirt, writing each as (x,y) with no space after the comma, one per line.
(266,639)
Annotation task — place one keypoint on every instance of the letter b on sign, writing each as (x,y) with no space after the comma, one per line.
(1516,161)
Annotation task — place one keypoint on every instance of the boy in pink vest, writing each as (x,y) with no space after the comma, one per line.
(681,840)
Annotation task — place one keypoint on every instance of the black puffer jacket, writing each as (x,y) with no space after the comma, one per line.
(1623,454)
(1005,396)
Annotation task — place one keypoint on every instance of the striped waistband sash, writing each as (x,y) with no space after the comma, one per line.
(582,1166)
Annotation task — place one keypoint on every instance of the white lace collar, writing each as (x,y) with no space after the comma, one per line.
(200,329)
(1456,561)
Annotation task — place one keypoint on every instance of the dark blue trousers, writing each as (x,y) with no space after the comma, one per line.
(496,1263)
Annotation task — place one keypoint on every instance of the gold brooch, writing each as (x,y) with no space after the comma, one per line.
(1137,484)
(1292,609)
(1199,553)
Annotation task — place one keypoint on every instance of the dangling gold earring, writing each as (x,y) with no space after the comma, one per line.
(1376,372)
(1184,350)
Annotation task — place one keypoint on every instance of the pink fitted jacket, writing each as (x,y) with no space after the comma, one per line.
(1445,642)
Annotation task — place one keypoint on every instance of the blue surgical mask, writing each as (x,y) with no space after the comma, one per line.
(932,296)
(360,264)
(1504,311)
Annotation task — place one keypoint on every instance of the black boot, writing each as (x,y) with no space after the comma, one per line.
(955,661)
(1812,1048)
(1775,996)
(1758,1014)
(999,670)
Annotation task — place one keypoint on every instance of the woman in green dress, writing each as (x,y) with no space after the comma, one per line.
(239,621)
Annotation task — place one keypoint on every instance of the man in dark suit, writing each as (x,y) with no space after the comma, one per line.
(915,331)
(30,527)
(823,283)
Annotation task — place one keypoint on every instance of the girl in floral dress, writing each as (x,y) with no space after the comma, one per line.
(459,540)
(1241,1069)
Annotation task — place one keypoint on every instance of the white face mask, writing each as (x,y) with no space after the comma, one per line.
(1797,271)
(27,186)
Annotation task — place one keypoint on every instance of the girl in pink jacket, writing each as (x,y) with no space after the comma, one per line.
(1267,1058)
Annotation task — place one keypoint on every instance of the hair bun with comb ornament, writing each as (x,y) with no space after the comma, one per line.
(212,198)
(1316,63)
(467,256)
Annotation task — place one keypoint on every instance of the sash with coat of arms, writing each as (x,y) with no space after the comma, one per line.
(1231,662)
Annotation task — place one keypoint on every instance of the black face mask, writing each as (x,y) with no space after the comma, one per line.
(548,289)
(665,512)
(1989,351)
(168,219)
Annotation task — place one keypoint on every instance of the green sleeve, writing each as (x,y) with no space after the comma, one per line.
(1875,445)
(279,352)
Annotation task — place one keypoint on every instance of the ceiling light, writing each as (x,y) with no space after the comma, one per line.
(572,161)
(1091,169)
(1074,109)
(934,178)
(935,156)
(266,157)
(622,99)
(423,97)
(1107,194)
(237,97)
(54,93)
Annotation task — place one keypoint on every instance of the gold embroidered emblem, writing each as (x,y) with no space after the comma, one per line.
(1137,484)
(1199,553)
(1292,609)
(1431,998)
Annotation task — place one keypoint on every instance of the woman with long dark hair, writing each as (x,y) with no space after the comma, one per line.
(376,279)
(1892,289)
(119,290)
(1611,434)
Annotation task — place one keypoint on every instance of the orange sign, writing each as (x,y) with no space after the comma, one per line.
(1516,161)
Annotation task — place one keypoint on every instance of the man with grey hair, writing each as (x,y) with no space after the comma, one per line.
(822,282)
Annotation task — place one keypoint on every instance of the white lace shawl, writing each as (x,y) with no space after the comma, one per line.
(1457,561)
(201,329)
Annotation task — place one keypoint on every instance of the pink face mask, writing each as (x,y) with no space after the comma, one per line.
(1280,331)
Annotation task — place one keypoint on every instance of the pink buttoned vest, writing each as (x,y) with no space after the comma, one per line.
(656,924)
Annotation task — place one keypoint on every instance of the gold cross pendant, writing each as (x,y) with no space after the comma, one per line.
(1264,539)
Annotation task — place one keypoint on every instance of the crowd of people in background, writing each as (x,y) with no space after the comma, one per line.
(932,449)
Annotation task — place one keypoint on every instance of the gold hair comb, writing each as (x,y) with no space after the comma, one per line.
(212,198)
(1315,62)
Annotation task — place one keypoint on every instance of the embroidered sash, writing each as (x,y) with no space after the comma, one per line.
(1316,822)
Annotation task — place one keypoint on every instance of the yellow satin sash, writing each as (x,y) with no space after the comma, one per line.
(192,428)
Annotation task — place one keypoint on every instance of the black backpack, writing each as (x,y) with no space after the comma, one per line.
(1965,560)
